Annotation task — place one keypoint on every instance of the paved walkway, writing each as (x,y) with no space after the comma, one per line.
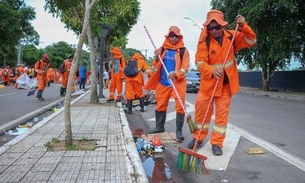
(26,159)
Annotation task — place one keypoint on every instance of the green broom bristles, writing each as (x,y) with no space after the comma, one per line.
(191,124)
(189,163)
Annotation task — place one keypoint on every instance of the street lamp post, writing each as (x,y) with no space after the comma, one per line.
(194,23)
(105,30)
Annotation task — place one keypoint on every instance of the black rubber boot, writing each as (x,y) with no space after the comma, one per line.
(160,122)
(191,144)
(61,93)
(179,126)
(39,95)
(142,104)
(64,91)
(129,106)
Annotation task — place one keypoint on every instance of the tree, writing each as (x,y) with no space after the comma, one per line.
(87,13)
(279,26)
(15,27)
(123,13)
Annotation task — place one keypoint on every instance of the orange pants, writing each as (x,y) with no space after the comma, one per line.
(115,84)
(163,94)
(41,82)
(64,79)
(134,89)
(222,105)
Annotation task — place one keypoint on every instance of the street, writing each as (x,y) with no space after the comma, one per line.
(15,102)
(276,125)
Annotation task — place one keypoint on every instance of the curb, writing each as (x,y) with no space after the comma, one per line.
(135,167)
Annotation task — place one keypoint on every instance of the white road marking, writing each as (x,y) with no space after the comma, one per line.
(232,138)
(221,162)
(8,94)
(290,158)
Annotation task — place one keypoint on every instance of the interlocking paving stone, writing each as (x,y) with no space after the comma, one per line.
(54,153)
(49,159)
(67,175)
(68,166)
(93,166)
(44,167)
(37,176)
(75,153)
(71,159)
(26,161)
(91,175)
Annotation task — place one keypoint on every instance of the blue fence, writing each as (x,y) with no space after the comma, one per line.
(282,80)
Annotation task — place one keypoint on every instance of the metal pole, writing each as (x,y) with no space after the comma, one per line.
(105,30)
(19,54)
(194,23)
(102,46)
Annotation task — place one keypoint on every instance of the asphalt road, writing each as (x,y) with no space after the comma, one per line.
(15,102)
(275,124)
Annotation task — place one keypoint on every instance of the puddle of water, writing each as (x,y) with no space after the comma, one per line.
(153,163)
(156,169)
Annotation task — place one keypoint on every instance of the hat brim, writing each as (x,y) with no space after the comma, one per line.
(177,33)
(220,22)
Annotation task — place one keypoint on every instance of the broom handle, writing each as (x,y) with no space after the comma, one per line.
(172,83)
(214,90)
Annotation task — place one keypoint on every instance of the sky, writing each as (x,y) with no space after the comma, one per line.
(157,16)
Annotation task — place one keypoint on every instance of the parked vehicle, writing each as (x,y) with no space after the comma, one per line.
(193,81)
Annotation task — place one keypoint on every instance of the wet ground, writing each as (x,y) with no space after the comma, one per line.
(159,167)
(9,134)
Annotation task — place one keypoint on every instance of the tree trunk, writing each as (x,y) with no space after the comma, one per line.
(68,129)
(94,99)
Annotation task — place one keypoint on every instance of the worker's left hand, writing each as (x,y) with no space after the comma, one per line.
(172,75)
(240,20)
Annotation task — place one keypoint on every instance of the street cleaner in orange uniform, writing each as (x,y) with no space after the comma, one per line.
(135,85)
(118,65)
(41,68)
(65,75)
(177,68)
(209,59)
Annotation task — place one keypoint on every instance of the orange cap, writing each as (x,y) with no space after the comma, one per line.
(217,16)
(175,30)
(116,50)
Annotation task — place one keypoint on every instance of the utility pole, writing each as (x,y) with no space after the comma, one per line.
(145,52)
(194,23)
(105,30)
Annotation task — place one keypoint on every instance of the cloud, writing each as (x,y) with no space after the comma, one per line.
(50,29)
(157,16)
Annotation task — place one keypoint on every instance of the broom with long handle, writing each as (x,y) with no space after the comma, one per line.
(190,160)
(190,122)
(32,92)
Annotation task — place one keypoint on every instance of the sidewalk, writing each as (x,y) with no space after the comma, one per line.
(274,94)
(26,159)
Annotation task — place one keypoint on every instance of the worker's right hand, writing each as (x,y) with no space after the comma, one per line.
(157,55)
(218,73)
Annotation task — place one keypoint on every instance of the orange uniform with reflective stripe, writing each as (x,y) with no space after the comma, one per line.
(163,93)
(65,75)
(116,78)
(208,59)
(135,85)
(42,77)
